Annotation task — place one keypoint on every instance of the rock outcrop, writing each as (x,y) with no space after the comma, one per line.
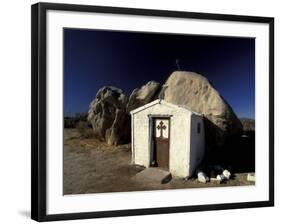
(197,93)
(248,124)
(120,131)
(144,95)
(107,114)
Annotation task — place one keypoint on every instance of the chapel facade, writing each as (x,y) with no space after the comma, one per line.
(167,136)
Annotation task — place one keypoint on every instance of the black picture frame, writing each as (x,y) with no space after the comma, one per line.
(39,124)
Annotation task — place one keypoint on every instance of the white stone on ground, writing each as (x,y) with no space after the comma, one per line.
(215,180)
(202,177)
(251,177)
(227,174)
(221,177)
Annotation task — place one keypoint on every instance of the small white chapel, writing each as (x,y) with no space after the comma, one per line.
(167,136)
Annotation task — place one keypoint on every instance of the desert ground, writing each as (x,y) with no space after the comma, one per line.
(91,166)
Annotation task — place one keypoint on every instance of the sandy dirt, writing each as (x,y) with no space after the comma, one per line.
(91,166)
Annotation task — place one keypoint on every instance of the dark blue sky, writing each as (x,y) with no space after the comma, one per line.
(127,60)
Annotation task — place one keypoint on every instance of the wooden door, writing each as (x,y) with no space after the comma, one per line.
(161,142)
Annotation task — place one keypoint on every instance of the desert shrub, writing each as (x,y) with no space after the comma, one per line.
(84,128)
(81,116)
(72,121)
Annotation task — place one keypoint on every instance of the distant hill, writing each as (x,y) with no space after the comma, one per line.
(248,124)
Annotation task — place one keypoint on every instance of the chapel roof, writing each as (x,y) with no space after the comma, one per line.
(160,101)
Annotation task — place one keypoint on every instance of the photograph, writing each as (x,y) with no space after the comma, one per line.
(146,111)
(140,112)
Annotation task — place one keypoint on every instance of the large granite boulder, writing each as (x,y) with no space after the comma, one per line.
(144,95)
(109,111)
(197,93)
(104,113)
(120,131)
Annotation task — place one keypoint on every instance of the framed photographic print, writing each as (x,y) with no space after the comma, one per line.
(138,111)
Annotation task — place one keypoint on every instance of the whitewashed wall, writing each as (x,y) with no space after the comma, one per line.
(179,137)
(197,143)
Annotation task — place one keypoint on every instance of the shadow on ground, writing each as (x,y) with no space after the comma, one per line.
(238,154)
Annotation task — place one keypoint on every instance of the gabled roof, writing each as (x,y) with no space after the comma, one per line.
(158,101)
